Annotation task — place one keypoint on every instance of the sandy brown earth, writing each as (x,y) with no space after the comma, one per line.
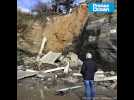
(59,30)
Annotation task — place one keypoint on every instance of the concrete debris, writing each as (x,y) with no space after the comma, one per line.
(113,86)
(44,40)
(21,67)
(113,31)
(61,58)
(96,24)
(41,74)
(76,33)
(73,60)
(100,77)
(27,67)
(77,74)
(24,74)
(44,75)
(93,26)
(50,57)
(100,73)
(52,70)
(70,79)
(112,73)
(66,69)
(107,78)
(102,20)
(69,88)
(29,60)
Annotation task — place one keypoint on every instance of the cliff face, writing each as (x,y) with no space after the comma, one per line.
(59,31)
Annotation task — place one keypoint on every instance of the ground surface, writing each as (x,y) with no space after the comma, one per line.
(32,89)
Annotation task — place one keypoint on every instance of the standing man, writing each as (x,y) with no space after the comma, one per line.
(88,70)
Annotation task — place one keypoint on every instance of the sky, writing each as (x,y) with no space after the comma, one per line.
(27,5)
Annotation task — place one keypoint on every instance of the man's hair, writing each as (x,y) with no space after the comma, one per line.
(88,55)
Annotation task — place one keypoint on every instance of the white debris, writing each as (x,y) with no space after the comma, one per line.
(99,77)
(98,21)
(23,74)
(55,69)
(113,31)
(99,74)
(66,69)
(48,19)
(50,57)
(44,40)
(20,67)
(69,88)
(73,59)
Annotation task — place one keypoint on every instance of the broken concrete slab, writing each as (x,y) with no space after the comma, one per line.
(51,70)
(44,40)
(69,88)
(29,72)
(23,74)
(107,78)
(21,67)
(77,74)
(50,57)
(99,77)
(66,69)
(73,59)
(44,75)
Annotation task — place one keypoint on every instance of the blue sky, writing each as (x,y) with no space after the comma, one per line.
(27,5)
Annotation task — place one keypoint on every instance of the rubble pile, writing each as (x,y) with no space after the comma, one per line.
(62,70)
(56,67)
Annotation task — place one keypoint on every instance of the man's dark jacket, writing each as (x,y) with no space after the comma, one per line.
(88,69)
